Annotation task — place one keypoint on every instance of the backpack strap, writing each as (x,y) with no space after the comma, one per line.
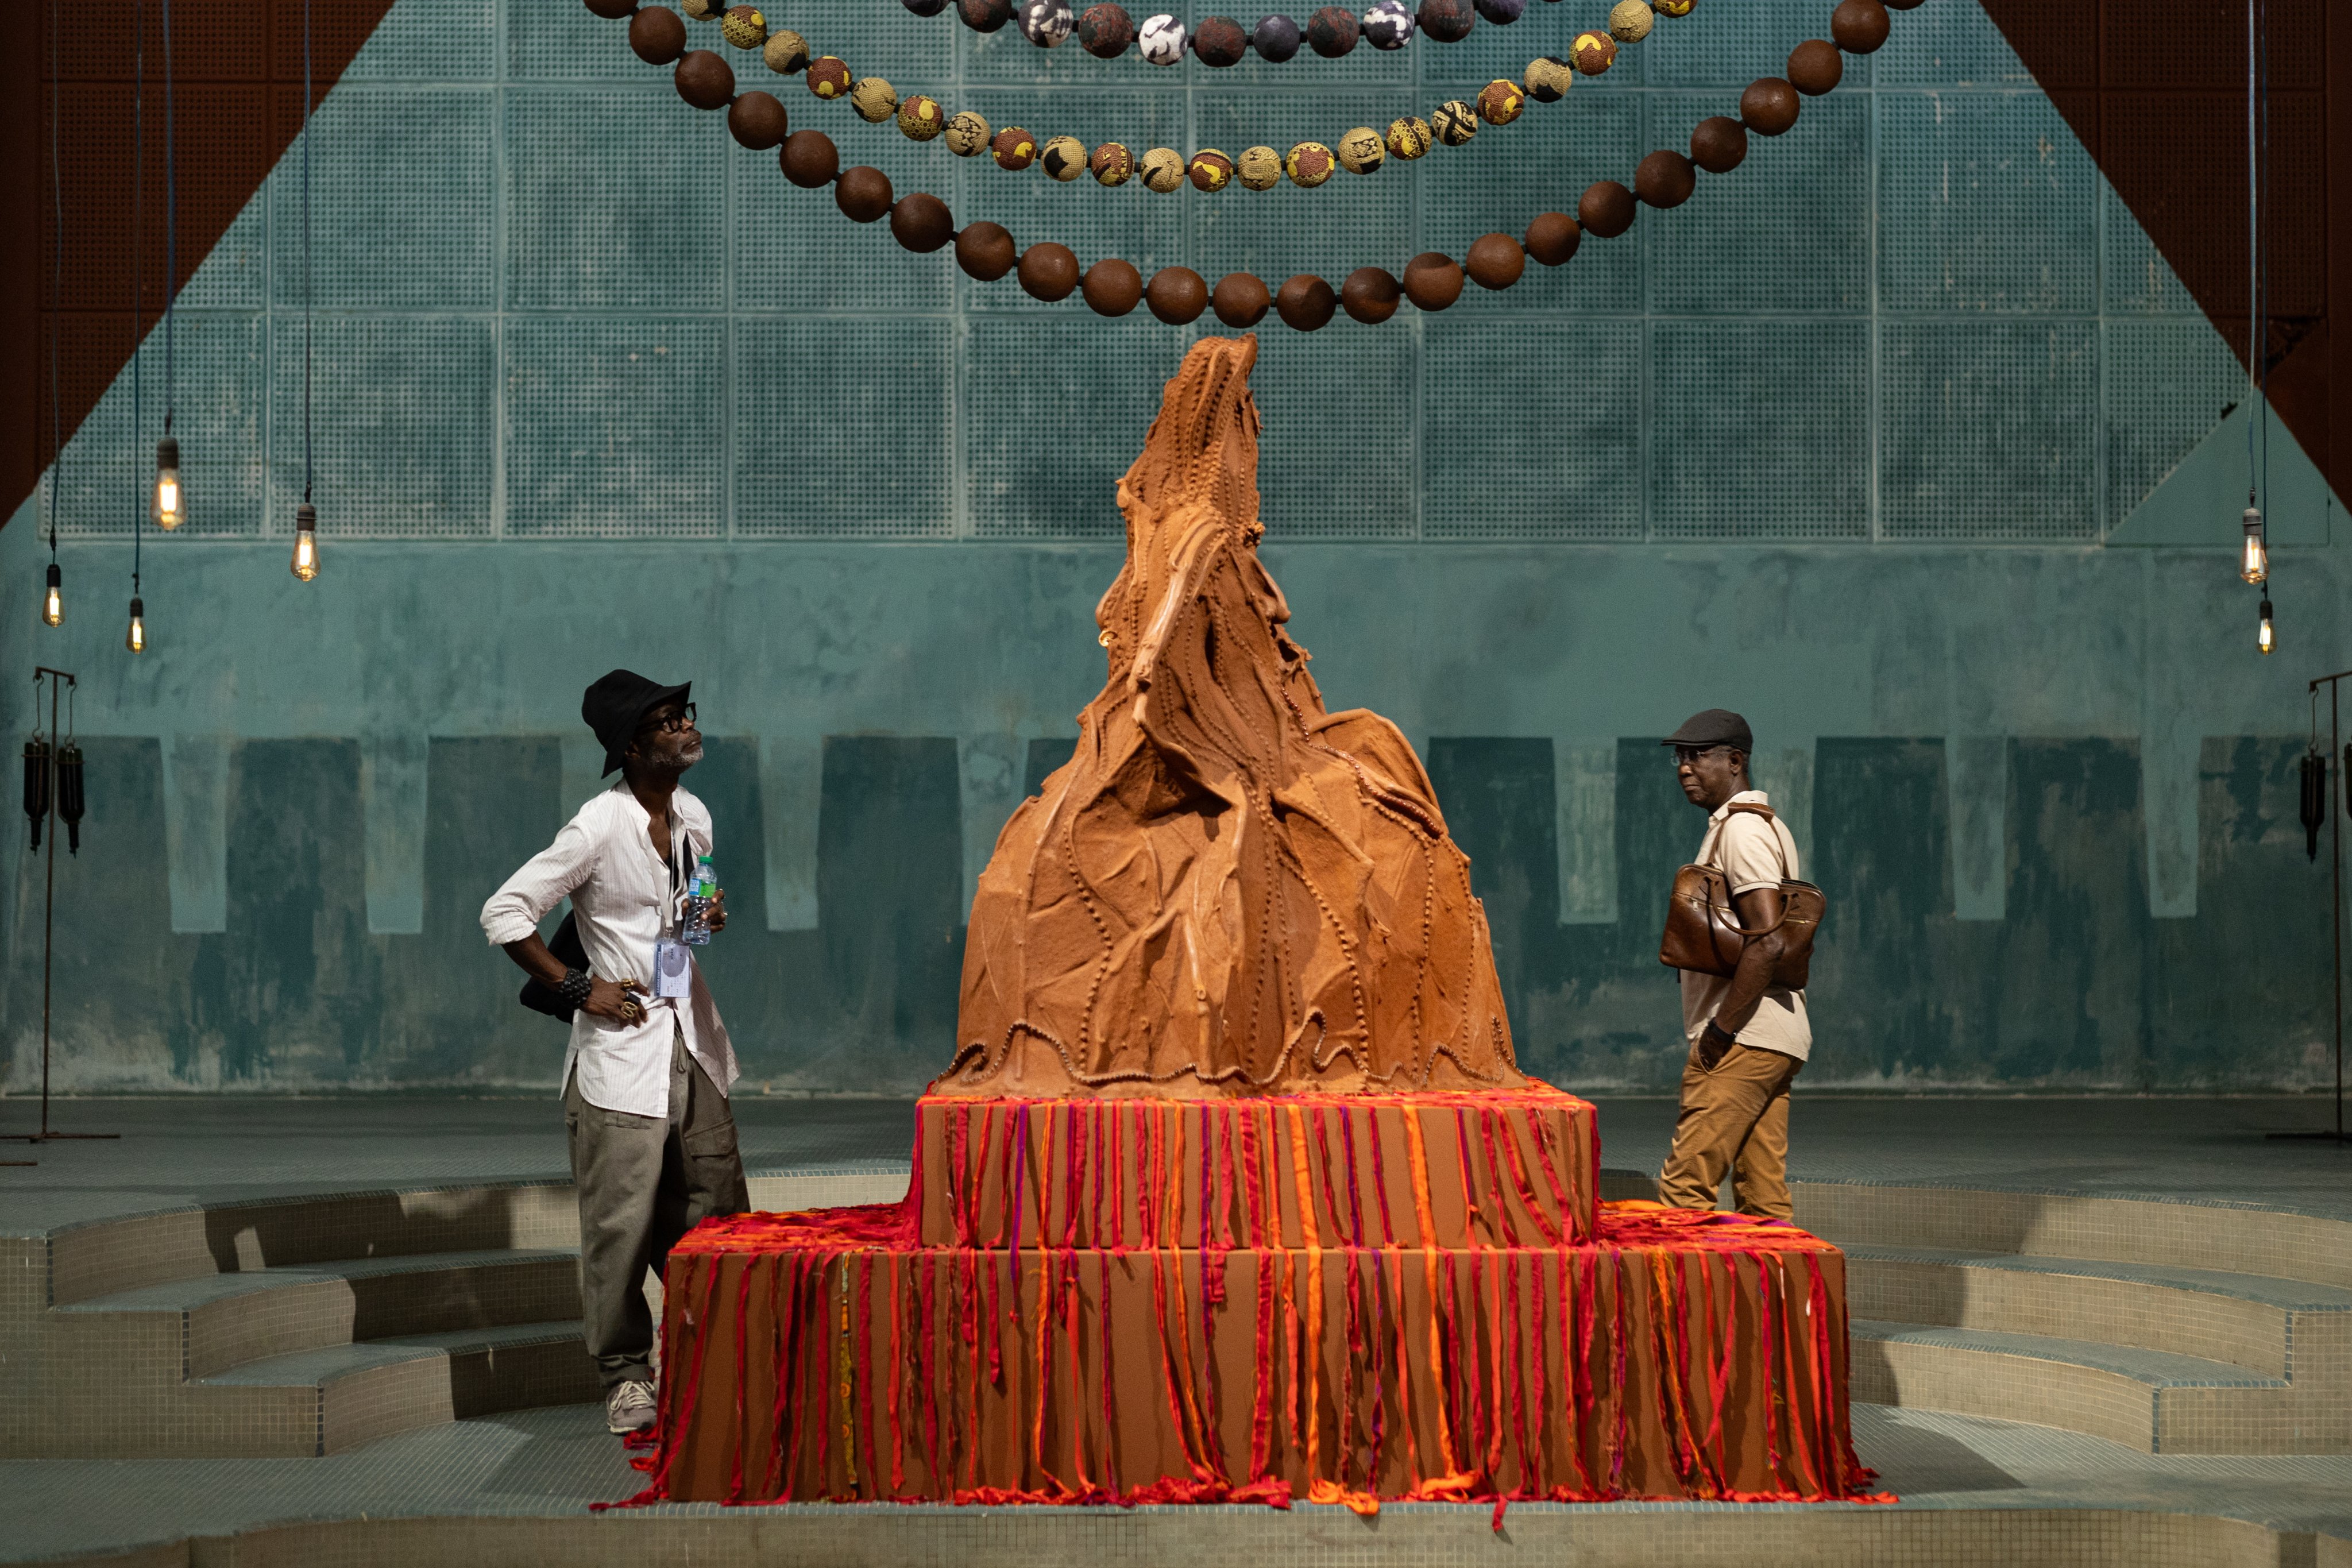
(1756,807)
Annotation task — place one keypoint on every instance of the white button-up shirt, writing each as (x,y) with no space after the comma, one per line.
(1752,852)
(624,899)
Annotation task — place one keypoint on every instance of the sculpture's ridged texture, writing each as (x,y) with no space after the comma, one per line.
(1227,891)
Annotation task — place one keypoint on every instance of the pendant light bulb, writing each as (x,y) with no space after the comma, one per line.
(2254,561)
(53,602)
(2266,638)
(167,512)
(136,639)
(306,541)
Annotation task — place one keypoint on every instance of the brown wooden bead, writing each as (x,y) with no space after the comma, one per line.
(1770,105)
(757,121)
(1241,299)
(1432,280)
(809,159)
(1370,295)
(656,35)
(704,80)
(1113,286)
(1815,67)
(612,10)
(1718,145)
(1859,26)
(1553,238)
(1606,208)
(1665,179)
(1219,41)
(1495,261)
(1177,295)
(985,251)
(863,194)
(1048,271)
(1305,302)
(922,223)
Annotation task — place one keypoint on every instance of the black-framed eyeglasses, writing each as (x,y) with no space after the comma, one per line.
(1692,754)
(681,720)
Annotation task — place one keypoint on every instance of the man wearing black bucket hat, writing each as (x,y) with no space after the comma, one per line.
(1747,1037)
(646,1078)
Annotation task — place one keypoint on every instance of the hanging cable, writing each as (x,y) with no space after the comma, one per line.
(169,509)
(138,282)
(52,596)
(306,516)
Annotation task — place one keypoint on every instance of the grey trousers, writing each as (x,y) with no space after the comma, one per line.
(644,1182)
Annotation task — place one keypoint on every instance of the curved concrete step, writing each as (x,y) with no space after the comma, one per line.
(332,1399)
(2249,1320)
(222,1321)
(2155,1401)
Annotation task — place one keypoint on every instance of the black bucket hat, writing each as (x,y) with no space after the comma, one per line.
(618,703)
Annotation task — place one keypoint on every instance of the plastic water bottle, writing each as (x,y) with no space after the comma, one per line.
(695,927)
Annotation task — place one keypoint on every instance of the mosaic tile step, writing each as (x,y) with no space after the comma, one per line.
(2246,1320)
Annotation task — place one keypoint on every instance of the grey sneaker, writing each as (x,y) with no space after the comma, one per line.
(629,1407)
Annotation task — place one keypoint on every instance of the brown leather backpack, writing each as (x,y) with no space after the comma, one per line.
(1703,929)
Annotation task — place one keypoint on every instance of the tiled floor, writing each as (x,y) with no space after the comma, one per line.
(226,1148)
(554,1462)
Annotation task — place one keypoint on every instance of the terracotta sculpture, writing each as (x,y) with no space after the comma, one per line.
(1227,891)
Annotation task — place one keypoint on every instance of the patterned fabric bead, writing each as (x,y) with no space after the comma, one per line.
(921,118)
(1409,136)
(1162,169)
(828,76)
(1309,164)
(1630,21)
(1047,23)
(1259,168)
(1013,148)
(1111,163)
(1388,24)
(1548,78)
(1362,152)
(967,134)
(1210,170)
(1455,122)
(1162,40)
(875,99)
(1593,52)
(1064,158)
(744,27)
(1500,102)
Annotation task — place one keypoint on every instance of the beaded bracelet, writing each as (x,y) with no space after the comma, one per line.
(920,222)
(575,991)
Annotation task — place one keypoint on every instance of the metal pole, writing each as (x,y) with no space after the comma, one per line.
(2335,813)
(49,912)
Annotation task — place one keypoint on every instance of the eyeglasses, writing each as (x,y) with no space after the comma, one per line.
(681,720)
(1692,754)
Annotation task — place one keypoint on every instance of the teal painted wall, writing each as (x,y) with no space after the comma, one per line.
(1860,441)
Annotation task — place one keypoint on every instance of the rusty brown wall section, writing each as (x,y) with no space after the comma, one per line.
(237,105)
(2157,91)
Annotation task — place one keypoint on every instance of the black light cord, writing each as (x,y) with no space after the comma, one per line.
(138,277)
(171,232)
(57,284)
(307,115)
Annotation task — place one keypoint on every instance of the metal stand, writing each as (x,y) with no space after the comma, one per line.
(2334,896)
(49,929)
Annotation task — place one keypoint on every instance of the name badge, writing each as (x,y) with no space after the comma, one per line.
(673,969)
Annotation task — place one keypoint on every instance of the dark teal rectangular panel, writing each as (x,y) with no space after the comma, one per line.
(1051,470)
(2167,383)
(404,427)
(404,204)
(1762,431)
(1986,203)
(842,429)
(1544,442)
(619,201)
(609,428)
(1788,231)
(1987,431)
(1338,456)
(1045,754)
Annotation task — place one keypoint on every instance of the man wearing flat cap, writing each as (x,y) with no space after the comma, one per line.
(1748,1036)
(646,1076)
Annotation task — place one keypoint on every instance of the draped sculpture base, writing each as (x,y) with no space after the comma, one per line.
(1648,1354)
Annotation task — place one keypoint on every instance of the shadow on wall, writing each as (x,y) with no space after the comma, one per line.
(2077,985)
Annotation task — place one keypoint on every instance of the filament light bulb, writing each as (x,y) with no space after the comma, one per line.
(53,602)
(306,541)
(2255,560)
(135,639)
(167,512)
(2267,639)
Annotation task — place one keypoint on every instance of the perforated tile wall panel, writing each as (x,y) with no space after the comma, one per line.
(553,299)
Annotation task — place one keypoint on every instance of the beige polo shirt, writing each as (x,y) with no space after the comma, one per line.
(1752,853)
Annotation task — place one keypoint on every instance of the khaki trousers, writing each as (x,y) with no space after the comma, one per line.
(1736,1119)
(644,1182)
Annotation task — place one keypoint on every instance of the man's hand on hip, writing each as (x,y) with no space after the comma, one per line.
(616,1000)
